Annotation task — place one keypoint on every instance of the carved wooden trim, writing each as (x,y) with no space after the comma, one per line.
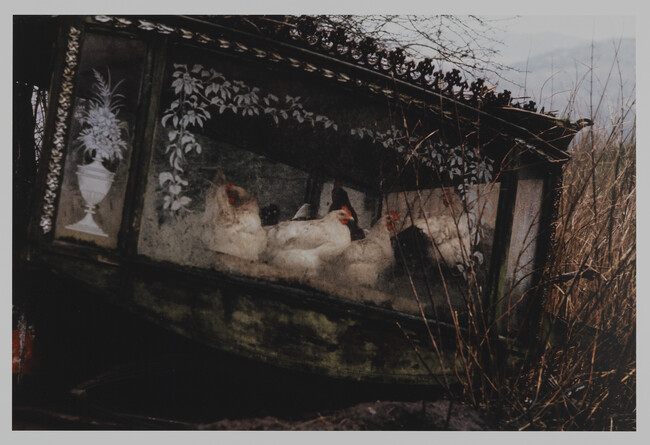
(55,165)
(224,43)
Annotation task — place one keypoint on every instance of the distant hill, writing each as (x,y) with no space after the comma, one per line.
(551,78)
(518,47)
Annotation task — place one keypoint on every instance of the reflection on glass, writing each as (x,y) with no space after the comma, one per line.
(254,209)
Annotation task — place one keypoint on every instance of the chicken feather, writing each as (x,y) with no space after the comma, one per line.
(365,261)
(303,246)
(453,240)
(231,223)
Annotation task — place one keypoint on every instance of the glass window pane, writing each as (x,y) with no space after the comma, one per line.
(249,170)
(100,141)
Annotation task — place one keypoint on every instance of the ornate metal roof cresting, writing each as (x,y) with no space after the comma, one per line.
(307,32)
(58,141)
(302,31)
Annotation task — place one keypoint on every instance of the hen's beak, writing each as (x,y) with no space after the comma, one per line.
(347,219)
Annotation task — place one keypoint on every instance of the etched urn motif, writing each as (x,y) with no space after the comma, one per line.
(103,139)
(94,183)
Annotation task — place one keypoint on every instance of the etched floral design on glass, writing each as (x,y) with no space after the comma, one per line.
(103,141)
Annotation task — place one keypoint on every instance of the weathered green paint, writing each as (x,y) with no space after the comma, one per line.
(275,324)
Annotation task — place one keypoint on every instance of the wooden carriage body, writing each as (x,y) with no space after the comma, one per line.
(286,111)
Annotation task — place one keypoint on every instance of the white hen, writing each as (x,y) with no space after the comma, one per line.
(453,240)
(303,246)
(231,222)
(365,261)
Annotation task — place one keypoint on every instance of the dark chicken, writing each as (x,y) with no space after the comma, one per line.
(341,199)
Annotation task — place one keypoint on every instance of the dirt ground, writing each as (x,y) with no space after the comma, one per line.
(391,416)
(369,416)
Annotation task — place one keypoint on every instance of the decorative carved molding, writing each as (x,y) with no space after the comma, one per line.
(334,43)
(305,31)
(55,165)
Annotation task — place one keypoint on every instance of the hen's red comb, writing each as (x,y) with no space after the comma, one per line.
(346,210)
(394,215)
(230,185)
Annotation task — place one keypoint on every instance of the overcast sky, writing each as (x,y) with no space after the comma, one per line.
(529,35)
(536,34)
(579,26)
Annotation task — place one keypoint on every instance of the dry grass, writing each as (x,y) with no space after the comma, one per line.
(589,361)
(581,374)
(579,370)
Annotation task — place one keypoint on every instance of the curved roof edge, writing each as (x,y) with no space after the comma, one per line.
(298,42)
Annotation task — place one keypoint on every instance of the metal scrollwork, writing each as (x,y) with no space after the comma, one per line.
(58,141)
(305,31)
(336,42)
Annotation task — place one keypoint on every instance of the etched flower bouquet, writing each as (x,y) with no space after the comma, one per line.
(103,140)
